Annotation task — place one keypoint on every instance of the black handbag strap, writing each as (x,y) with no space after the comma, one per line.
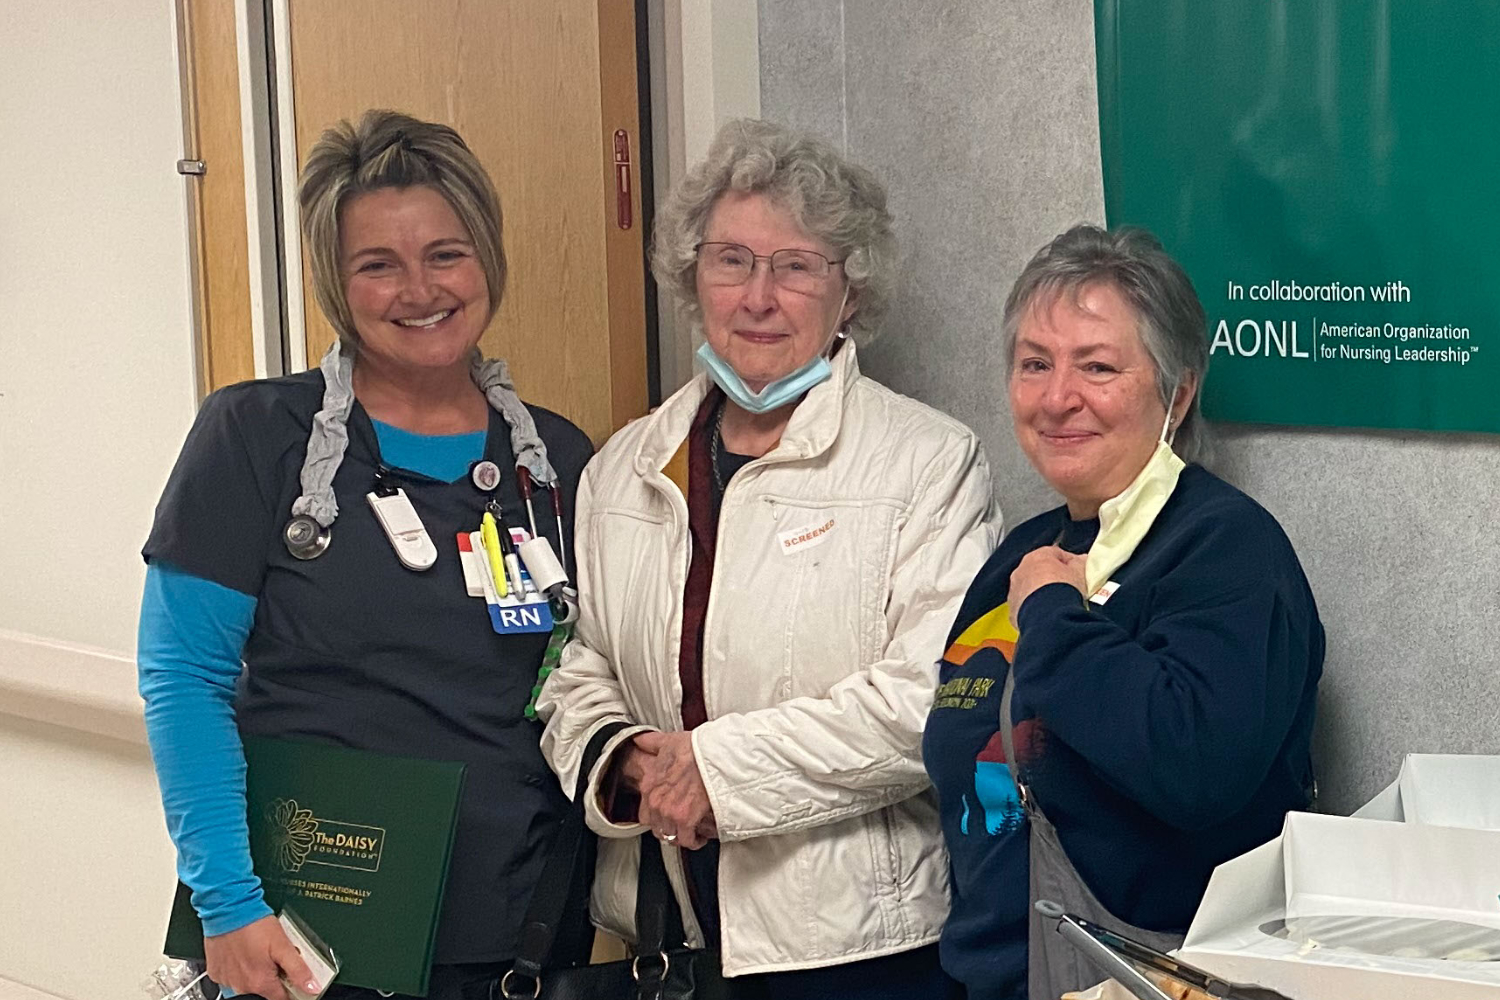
(658,922)
(658,925)
(569,864)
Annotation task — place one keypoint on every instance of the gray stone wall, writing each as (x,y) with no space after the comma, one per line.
(981,118)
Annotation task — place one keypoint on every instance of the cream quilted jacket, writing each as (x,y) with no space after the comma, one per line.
(841,560)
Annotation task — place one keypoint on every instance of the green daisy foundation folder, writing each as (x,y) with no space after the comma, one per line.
(357,843)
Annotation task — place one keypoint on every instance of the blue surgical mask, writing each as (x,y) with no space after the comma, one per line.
(778,392)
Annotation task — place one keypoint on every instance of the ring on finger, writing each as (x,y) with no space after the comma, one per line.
(669,838)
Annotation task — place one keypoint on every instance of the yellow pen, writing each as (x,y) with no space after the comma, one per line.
(490,535)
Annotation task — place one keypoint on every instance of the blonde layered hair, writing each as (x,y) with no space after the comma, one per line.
(387,149)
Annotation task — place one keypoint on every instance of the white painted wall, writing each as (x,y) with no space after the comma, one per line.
(706,71)
(86,869)
(96,394)
(96,358)
(720,69)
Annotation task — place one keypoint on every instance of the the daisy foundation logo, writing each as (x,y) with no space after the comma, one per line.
(299,838)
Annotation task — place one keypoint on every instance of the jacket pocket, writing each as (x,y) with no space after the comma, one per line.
(631,583)
(895,873)
(832,560)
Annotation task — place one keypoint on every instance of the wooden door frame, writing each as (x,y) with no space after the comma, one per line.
(231,135)
(263,221)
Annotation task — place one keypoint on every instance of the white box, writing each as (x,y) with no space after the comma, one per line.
(1325,867)
(1441,790)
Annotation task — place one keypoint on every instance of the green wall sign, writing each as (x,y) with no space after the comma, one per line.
(1328,171)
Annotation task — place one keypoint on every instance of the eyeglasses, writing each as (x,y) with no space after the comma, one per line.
(732,264)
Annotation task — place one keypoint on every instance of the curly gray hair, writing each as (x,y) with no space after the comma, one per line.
(829,197)
(1170,317)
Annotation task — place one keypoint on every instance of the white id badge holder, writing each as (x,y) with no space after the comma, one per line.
(526,610)
(407,534)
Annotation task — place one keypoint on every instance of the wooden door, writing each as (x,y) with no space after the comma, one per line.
(539,90)
(211,111)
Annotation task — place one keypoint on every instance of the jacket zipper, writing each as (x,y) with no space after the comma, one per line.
(893,853)
(713,580)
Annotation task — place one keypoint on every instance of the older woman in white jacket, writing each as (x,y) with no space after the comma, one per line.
(769,564)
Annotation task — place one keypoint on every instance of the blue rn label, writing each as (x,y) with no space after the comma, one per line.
(509,618)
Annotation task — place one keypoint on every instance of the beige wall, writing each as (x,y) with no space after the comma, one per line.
(96,393)
(96,382)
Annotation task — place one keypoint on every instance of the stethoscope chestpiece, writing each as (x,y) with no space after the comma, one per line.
(305,538)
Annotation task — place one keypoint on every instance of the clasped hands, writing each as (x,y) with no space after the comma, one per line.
(1039,567)
(662,769)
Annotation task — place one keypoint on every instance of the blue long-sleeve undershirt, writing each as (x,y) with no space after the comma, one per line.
(188,653)
(191,634)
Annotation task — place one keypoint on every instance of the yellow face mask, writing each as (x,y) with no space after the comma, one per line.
(1125,519)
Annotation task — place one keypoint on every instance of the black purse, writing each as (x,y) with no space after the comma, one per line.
(664,968)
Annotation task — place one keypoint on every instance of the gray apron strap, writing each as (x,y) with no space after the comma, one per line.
(1008,738)
(1054,966)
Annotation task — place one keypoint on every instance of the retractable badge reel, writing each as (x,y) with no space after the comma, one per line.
(485,475)
(402,526)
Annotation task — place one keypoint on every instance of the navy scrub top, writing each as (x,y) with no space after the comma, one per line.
(355,650)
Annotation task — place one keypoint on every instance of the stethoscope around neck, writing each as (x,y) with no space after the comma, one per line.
(305,538)
(309,531)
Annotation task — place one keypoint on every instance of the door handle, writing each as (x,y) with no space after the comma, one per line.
(622,179)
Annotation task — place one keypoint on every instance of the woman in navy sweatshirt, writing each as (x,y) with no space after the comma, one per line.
(1155,638)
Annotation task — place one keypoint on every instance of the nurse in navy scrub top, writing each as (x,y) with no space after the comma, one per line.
(245,630)
(1155,637)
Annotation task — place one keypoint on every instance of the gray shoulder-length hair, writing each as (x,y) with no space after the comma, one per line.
(388,149)
(1170,318)
(829,197)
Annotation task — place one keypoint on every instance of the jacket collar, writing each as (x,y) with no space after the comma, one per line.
(812,430)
